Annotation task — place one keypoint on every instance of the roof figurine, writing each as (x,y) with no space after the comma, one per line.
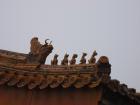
(73,60)
(55,60)
(65,60)
(83,59)
(92,60)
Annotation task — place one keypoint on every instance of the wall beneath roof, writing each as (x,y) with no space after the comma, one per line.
(23,96)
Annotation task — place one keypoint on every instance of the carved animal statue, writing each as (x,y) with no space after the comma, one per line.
(73,60)
(44,51)
(65,60)
(39,55)
(92,60)
(55,60)
(83,59)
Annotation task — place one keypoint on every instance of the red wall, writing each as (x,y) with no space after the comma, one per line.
(59,96)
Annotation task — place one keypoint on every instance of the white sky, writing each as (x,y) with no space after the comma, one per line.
(112,27)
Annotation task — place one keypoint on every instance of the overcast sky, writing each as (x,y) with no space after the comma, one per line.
(112,27)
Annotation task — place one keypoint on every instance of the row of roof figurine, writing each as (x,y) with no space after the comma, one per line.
(65,60)
(40,52)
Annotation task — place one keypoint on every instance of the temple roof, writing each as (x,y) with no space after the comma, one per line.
(28,70)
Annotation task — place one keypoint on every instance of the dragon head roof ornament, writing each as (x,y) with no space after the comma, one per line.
(38,52)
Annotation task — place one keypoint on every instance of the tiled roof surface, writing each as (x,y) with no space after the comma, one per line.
(76,76)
